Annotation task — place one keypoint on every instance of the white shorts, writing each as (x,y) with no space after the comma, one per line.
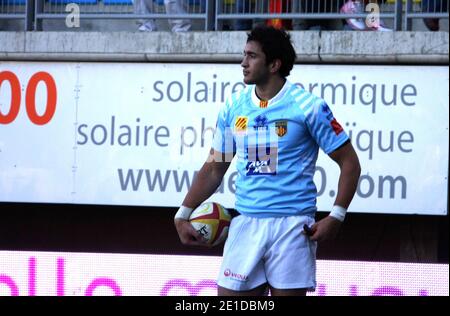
(268,250)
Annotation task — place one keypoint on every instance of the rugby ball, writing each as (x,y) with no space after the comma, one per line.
(211,220)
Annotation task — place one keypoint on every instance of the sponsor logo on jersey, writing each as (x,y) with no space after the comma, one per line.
(241,124)
(281,128)
(337,128)
(262,163)
(260,167)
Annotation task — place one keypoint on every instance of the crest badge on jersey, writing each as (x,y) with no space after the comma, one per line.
(281,128)
(241,123)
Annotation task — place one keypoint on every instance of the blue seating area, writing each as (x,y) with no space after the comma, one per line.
(105,2)
(62,2)
(112,2)
(12,2)
(73,1)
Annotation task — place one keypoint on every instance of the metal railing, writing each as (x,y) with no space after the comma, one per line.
(18,10)
(37,11)
(126,10)
(425,9)
(288,12)
(223,14)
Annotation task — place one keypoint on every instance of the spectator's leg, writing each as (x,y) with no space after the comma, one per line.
(299,24)
(429,6)
(332,25)
(242,7)
(379,25)
(177,7)
(351,7)
(280,6)
(432,24)
(309,7)
(142,7)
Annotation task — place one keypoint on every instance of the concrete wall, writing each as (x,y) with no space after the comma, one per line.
(311,46)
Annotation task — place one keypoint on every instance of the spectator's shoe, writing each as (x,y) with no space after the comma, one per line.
(381,27)
(147,27)
(354,7)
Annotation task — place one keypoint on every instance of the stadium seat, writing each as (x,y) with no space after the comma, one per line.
(73,1)
(109,2)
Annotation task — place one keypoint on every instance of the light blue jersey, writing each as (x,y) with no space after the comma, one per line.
(276,143)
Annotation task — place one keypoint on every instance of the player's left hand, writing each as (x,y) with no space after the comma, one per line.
(325,229)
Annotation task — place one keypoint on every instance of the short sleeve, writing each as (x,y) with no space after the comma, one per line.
(324,128)
(223,140)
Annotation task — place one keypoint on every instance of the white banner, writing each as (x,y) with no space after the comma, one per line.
(135,134)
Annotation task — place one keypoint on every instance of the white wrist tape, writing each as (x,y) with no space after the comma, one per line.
(183,212)
(338,212)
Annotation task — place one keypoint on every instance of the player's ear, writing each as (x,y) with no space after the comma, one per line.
(275,65)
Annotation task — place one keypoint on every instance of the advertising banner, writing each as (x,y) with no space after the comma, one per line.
(136,134)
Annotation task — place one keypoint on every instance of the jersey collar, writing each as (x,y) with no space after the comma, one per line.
(266,103)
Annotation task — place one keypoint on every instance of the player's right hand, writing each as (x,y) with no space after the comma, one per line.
(325,229)
(188,235)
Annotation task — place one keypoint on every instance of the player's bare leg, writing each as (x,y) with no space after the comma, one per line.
(261,290)
(287,292)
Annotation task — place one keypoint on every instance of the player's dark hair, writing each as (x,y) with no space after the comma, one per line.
(276,44)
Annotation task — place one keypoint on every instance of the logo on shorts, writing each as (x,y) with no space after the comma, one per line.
(235,276)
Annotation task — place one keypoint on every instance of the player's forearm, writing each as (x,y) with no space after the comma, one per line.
(348,181)
(205,184)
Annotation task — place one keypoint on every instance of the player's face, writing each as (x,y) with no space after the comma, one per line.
(254,65)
